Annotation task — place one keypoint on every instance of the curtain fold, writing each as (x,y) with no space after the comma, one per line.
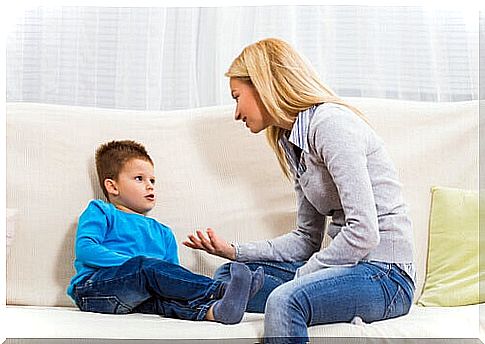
(173,58)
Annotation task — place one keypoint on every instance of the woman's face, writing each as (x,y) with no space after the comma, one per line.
(249,107)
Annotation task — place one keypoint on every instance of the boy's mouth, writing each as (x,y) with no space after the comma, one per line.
(150,197)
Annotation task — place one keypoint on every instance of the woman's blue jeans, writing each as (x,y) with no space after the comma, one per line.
(370,290)
(148,285)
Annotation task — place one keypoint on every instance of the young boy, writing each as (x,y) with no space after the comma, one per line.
(127,262)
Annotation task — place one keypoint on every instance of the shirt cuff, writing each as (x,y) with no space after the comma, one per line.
(312,266)
(304,270)
(236,247)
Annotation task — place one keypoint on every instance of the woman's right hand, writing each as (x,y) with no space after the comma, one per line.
(211,244)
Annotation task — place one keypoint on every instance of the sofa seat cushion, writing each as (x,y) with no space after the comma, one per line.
(65,322)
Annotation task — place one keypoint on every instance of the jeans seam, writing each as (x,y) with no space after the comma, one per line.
(393,301)
(202,304)
(380,273)
(278,280)
(207,295)
(107,298)
(203,309)
(89,283)
(274,265)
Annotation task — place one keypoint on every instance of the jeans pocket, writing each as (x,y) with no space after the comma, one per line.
(380,270)
(398,305)
(103,304)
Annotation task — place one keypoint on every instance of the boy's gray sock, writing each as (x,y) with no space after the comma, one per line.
(230,309)
(257,282)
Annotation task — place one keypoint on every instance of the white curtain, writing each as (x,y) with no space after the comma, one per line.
(173,58)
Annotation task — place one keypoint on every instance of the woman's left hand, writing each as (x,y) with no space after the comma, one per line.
(211,244)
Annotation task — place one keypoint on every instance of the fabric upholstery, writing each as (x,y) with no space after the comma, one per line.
(447,322)
(211,171)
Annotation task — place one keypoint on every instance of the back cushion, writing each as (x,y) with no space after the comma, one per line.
(431,144)
(211,172)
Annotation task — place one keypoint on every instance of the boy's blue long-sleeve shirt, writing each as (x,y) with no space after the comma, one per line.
(108,237)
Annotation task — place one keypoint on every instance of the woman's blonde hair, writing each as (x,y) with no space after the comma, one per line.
(286,85)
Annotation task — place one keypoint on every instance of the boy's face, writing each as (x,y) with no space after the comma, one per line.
(133,191)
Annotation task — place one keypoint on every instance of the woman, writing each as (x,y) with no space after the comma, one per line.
(342,171)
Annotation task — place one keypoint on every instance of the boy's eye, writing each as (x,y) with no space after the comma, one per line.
(152,181)
(139,178)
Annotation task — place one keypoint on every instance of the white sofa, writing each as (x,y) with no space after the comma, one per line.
(211,171)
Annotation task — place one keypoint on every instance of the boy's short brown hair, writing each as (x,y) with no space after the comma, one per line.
(111,157)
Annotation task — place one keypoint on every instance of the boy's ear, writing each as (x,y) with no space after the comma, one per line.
(110,186)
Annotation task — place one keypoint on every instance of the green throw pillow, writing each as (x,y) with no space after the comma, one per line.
(453,272)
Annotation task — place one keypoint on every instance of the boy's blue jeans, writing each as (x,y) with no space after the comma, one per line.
(148,285)
(370,290)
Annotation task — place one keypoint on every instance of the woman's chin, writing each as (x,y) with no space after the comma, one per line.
(254,130)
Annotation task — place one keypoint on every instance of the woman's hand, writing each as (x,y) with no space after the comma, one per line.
(211,244)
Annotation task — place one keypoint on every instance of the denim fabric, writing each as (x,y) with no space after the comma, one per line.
(147,285)
(371,290)
(275,274)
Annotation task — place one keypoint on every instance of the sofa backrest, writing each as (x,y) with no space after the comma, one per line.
(211,172)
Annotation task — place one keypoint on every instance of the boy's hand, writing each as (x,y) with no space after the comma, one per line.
(211,244)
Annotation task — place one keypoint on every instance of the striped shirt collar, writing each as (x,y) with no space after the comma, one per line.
(299,132)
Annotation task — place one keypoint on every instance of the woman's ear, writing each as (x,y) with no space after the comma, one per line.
(110,186)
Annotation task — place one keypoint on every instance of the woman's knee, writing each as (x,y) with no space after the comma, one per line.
(285,315)
(286,299)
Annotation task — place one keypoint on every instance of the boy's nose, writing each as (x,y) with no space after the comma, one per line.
(237,114)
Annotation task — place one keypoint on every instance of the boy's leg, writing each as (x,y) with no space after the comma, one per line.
(275,274)
(111,290)
(228,310)
(120,289)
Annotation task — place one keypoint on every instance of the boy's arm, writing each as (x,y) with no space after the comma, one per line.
(92,227)
(173,256)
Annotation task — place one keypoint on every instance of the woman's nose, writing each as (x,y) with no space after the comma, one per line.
(237,114)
